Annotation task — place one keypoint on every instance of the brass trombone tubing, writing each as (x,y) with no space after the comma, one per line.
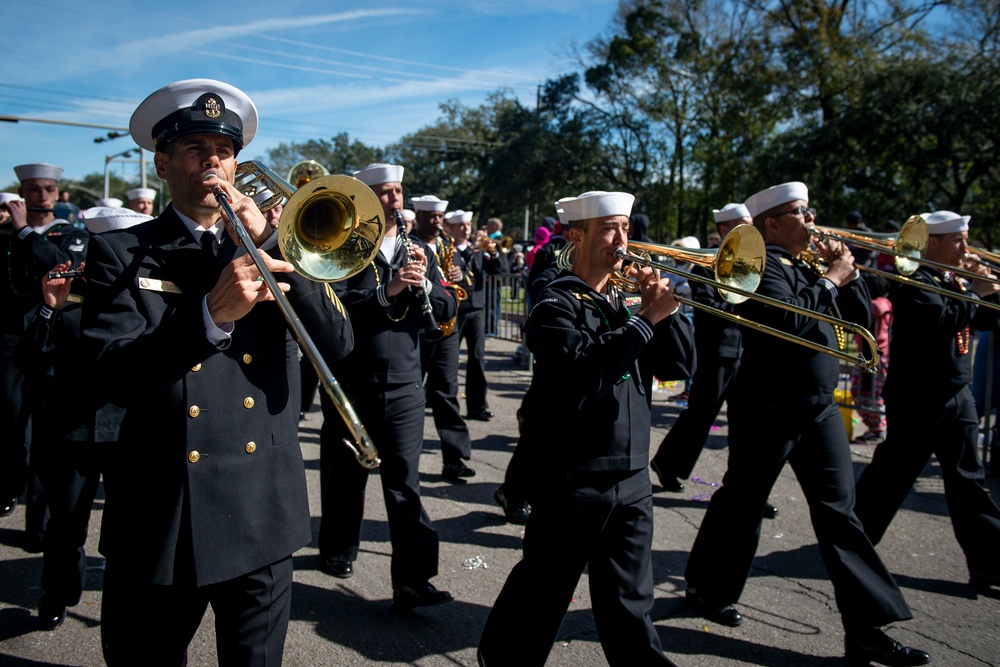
(990,260)
(363,448)
(931,288)
(868,364)
(906,263)
(907,246)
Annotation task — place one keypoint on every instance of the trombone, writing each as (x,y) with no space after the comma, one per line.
(908,248)
(738,265)
(330,230)
(305,171)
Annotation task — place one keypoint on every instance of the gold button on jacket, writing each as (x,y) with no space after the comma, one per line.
(194,411)
(248,402)
(194,456)
(247,358)
(251,447)
(196,368)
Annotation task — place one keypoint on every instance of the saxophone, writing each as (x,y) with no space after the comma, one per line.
(447,262)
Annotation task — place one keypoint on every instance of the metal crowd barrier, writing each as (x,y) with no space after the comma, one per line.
(505,309)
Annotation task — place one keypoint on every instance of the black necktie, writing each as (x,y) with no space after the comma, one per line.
(207,240)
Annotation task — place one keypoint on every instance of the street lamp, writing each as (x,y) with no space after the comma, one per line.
(120,157)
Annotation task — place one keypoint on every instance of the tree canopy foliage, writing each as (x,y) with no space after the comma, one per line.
(886,107)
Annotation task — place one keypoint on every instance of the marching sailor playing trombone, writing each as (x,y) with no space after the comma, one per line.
(929,406)
(206,495)
(779,417)
(590,492)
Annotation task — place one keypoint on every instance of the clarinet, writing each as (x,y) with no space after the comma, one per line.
(432,332)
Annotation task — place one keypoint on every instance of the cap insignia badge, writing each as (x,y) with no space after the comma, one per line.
(212,109)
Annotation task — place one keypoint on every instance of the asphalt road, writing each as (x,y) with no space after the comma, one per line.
(791,618)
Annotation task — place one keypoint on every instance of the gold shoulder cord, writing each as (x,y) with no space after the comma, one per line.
(335,299)
(812,261)
(378,283)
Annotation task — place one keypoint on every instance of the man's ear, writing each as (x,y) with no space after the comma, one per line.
(160,161)
(576,235)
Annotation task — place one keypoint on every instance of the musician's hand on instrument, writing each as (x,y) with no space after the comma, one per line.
(241,287)
(18,214)
(454,274)
(55,291)
(980,286)
(410,274)
(658,300)
(246,210)
(841,267)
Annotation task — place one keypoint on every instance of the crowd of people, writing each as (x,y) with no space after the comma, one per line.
(197,389)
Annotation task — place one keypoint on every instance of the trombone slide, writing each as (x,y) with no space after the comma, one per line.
(869,364)
(362,447)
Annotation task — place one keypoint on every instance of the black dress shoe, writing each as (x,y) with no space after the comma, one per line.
(420,595)
(50,614)
(770,511)
(457,471)
(481,415)
(8,506)
(668,482)
(335,567)
(725,615)
(876,646)
(515,512)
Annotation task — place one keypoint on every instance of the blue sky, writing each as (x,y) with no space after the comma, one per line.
(376,70)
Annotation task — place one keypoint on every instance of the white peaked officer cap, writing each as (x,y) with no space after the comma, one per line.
(430,203)
(731,212)
(102,219)
(193,106)
(689,242)
(597,204)
(776,196)
(409,215)
(8,196)
(38,170)
(561,212)
(141,193)
(455,217)
(108,202)
(380,172)
(946,222)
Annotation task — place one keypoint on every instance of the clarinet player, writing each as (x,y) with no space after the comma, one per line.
(382,379)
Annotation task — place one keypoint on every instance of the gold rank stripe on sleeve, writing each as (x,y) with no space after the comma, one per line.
(155,285)
(335,299)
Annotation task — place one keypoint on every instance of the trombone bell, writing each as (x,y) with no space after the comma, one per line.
(305,171)
(737,263)
(331,228)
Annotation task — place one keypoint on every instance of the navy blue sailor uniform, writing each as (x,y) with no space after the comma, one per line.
(471,324)
(24,258)
(791,417)
(930,409)
(439,361)
(206,499)
(590,492)
(719,343)
(382,379)
(73,441)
